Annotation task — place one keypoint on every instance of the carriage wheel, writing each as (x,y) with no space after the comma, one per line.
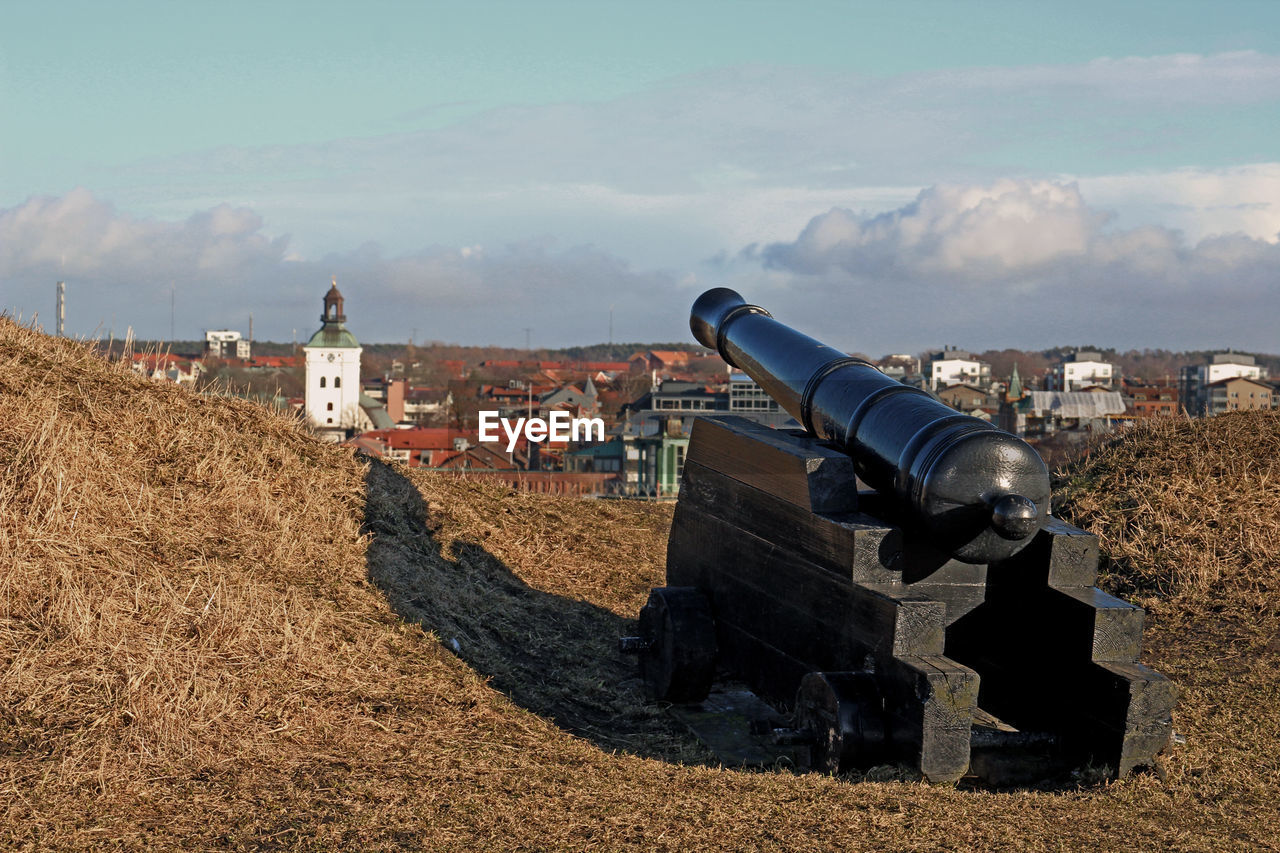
(678,663)
(845,713)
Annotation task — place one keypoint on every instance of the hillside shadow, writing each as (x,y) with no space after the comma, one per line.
(555,656)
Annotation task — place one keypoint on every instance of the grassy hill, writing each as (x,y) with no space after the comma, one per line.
(217,632)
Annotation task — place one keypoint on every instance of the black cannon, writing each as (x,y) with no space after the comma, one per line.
(977,492)
(940,618)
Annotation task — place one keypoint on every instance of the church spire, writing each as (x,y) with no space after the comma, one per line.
(333,305)
(1015,392)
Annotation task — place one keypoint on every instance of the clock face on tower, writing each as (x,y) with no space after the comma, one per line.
(331,356)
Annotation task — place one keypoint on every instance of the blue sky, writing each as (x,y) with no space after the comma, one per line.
(890,176)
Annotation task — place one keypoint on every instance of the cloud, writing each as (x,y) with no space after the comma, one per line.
(1198,202)
(683,168)
(1031,263)
(967,231)
(78,234)
(222,266)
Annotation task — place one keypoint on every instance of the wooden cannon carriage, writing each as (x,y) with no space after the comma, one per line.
(941,619)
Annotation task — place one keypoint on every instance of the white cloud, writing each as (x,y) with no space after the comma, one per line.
(971,231)
(120,269)
(1198,202)
(1030,262)
(662,174)
(77,234)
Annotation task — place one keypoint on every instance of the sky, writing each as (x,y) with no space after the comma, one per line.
(885,177)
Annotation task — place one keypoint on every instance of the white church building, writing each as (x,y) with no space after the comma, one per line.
(333,373)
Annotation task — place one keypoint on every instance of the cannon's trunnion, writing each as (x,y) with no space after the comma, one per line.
(782,574)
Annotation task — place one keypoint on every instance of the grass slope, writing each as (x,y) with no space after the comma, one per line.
(217,632)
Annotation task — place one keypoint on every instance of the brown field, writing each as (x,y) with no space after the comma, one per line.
(216,632)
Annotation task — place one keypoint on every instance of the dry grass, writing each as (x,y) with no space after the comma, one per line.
(1186,510)
(192,655)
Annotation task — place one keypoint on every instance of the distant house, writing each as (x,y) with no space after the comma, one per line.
(1238,393)
(682,397)
(421,401)
(1151,400)
(512,395)
(1046,412)
(951,366)
(661,360)
(420,447)
(653,462)
(1195,380)
(373,415)
(456,368)
(574,366)
(265,362)
(902,367)
(164,367)
(584,399)
(1080,370)
(225,343)
(746,397)
(651,413)
(963,398)
(597,458)
(481,457)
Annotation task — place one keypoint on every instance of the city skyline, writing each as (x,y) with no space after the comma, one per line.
(983,176)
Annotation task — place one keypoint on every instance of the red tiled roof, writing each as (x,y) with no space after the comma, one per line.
(498,392)
(420,438)
(368,445)
(154,359)
(475,457)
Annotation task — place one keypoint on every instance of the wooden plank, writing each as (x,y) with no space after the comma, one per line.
(936,698)
(1050,627)
(793,468)
(792,603)
(1061,556)
(1115,713)
(851,545)
(1073,554)
(692,558)
(960,599)
(1143,702)
(771,672)
(1113,626)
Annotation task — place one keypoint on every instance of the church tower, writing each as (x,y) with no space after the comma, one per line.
(333,372)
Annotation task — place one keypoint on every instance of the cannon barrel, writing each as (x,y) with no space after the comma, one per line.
(975,491)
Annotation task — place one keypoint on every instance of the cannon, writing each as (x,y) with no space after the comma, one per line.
(975,490)
(890,577)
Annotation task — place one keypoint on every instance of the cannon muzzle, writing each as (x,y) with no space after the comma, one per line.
(975,491)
